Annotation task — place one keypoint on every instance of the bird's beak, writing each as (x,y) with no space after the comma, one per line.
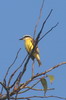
(21,39)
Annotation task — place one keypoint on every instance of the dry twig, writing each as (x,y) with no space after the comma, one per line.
(38,19)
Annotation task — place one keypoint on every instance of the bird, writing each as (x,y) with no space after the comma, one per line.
(29,43)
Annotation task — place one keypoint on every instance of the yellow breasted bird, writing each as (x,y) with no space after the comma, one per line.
(29,44)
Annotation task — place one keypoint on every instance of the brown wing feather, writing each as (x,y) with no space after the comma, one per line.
(36,49)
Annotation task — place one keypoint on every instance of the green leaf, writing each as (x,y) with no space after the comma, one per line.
(51,77)
(44,84)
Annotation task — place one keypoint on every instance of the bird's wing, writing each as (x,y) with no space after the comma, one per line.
(36,49)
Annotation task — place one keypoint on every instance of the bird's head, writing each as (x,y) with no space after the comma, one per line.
(25,37)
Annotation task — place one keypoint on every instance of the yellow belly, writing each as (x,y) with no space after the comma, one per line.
(28,46)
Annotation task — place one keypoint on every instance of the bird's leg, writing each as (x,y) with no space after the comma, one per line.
(33,68)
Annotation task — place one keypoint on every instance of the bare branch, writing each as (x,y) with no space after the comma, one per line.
(12,63)
(49,69)
(22,86)
(15,72)
(51,96)
(33,68)
(38,18)
(45,22)
(10,68)
(48,31)
(29,88)
(38,89)
(43,73)
(8,96)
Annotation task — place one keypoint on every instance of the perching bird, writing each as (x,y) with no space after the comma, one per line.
(29,44)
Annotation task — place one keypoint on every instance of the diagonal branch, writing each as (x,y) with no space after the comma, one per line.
(38,18)
(43,73)
(12,63)
(48,31)
(30,88)
(45,21)
(15,72)
(4,80)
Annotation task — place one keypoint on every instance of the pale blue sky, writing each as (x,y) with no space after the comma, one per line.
(17,18)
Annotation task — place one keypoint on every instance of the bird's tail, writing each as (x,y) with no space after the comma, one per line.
(37,58)
(39,62)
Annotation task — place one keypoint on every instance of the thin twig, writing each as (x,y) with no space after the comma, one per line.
(39,89)
(43,73)
(48,31)
(12,63)
(45,21)
(4,80)
(18,82)
(15,72)
(40,14)
(33,68)
(51,96)
(8,95)
(34,89)
(29,88)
